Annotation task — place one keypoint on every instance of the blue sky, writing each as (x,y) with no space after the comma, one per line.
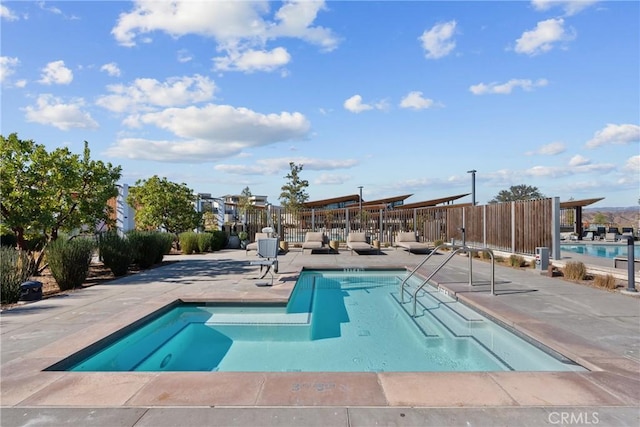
(397,97)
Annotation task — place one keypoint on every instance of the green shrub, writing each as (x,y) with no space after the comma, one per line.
(204,242)
(219,240)
(575,270)
(517,261)
(15,268)
(437,242)
(165,240)
(69,261)
(116,253)
(189,242)
(608,281)
(148,247)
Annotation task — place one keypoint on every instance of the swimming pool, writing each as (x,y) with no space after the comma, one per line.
(335,321)
(602,250)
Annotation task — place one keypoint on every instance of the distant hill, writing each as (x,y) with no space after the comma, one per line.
(621,217)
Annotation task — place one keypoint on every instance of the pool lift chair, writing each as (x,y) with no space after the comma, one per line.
(268,254)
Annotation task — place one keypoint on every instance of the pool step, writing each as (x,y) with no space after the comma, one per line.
(260,326)
(249,318)
(465,330)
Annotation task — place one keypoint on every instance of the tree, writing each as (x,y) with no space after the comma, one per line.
(600,218)
(517,193)
(245,203)
(44,193)
(293,193)
(161,204)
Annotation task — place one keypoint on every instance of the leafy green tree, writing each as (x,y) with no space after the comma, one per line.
(44,193)
(245,204)
(600,218)
(162,204)
(517,193)
(294,194)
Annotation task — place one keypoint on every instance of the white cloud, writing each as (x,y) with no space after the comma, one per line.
(438,41)
(570,7)
(633,165)
(6,13)
(615,135)
(111,69)
(241,29)
(543,37)
(56,73)
(7,67)
(252,60)
(146,94)
(562,171)
(274,166)
(579,160)
(355,105)
(416,101)
(549,149)
(506,88)
(331,179)
(50,110)
(184,56)
(211,133)
(295,19)
(629,176)
(51,9)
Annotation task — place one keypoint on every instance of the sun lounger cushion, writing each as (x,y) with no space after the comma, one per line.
(611,237)
(407,240)
(313,240)
(357,241)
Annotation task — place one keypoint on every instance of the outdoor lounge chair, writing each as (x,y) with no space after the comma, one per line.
(357,241)
(409,242)
(611,237)
(268,253)
(254,246)
(315,240)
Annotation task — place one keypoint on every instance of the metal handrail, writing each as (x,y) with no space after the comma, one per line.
(462,248)
(415,293)
(416,269)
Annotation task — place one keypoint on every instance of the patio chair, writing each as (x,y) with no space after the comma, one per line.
(315,240)
(409,242)
(268,253)
(357,241)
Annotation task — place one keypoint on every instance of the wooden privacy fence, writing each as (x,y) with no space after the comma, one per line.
(515,227)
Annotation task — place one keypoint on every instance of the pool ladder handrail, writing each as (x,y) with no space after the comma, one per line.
(458,248)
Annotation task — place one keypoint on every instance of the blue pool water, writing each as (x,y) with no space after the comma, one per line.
(334,321)
(603,251)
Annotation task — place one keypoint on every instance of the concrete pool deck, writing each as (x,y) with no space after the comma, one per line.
(596,328)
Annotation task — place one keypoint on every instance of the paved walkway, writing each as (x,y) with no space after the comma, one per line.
(597,328)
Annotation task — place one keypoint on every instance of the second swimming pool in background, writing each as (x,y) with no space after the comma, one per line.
(335,321)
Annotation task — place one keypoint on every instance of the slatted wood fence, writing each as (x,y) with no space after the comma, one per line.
(515,227)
